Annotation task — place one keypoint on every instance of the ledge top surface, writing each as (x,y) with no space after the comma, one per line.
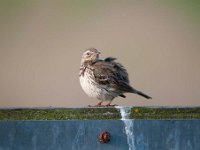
(97,113)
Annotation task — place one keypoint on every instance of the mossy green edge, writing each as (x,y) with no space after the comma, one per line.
(165,113)
(97,113)
(60,114)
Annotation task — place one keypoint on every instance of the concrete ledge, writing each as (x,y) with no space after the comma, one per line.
(83,135)
(110,113)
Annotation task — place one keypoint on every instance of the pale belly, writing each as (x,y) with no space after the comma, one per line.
(92,89)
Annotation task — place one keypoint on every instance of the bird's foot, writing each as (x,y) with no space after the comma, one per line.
(100,105)
(97,105)
(109,105)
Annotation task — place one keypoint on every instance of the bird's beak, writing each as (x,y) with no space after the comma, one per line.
(97,55)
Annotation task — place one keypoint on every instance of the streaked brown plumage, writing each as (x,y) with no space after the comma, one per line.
(104,79)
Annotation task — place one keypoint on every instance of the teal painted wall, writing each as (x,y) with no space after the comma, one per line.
(83,135)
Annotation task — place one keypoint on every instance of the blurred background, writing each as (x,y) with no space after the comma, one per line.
(41,43)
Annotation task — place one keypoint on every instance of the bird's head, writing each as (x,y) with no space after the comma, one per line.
(91,55)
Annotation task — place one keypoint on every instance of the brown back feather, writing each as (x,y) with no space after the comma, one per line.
(111,73)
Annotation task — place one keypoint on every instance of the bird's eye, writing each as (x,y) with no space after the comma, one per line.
(87,53)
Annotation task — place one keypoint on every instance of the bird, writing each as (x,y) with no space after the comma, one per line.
(104,79)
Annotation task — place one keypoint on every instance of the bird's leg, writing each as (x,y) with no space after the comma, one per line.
(97,105)
(109,104)
(100,105)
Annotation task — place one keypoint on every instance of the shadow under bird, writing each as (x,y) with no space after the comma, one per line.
(104,79)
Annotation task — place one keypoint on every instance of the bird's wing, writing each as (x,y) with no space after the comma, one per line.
(109,59)
(112,74)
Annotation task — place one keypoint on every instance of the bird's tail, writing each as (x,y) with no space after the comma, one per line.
(127,88)
(143,95)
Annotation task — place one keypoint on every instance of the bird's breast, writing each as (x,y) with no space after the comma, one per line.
(89,85)
(93,89)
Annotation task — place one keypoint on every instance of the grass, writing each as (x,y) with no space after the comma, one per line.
(165,113)
(59,114)
(98,113)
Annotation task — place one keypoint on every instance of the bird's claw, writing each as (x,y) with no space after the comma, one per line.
(107,105)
